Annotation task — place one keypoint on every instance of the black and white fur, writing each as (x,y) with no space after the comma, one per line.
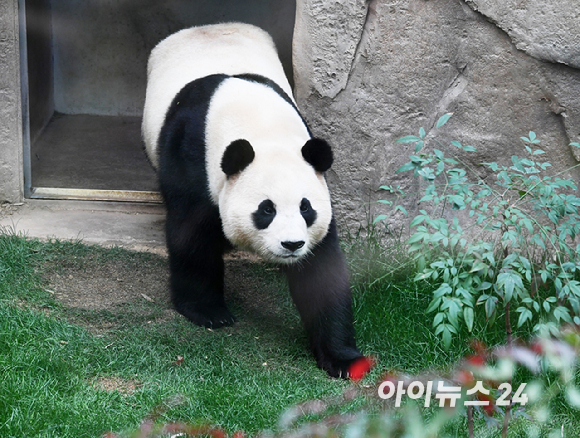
(238,166)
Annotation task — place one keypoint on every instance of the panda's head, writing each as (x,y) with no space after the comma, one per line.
(276,204)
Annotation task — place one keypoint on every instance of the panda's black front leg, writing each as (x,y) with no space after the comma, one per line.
(196,245)
(320,288)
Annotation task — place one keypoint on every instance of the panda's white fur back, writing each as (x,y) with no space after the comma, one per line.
(229,48)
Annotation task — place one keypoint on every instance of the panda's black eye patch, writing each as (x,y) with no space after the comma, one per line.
(264,215)
(307,212)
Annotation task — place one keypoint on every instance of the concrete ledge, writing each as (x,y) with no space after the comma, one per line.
(139,227)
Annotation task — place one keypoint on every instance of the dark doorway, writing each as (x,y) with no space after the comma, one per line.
(85,83)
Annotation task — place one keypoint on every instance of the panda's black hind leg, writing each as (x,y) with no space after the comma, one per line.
(196,244)
(320,288)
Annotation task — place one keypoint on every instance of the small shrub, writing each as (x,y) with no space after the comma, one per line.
(513,245)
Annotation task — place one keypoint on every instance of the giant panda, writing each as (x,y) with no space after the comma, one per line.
(238,167)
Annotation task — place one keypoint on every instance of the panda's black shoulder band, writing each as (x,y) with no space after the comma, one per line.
(237,156)
(318,154)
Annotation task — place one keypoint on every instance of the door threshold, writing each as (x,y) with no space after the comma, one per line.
(96,195)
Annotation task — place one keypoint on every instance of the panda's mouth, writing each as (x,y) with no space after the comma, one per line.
(288,258)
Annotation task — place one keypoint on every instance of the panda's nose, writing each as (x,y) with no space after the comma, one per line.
(293,246)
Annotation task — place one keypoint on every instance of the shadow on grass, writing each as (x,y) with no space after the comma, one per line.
(124,294)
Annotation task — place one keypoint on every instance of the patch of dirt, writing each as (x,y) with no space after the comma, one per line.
(103,292)
(104,285)
(110,384)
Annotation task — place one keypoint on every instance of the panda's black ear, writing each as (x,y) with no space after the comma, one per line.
(237,156)
(318,154)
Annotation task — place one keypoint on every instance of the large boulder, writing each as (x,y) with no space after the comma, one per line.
(545,30)
(370,72)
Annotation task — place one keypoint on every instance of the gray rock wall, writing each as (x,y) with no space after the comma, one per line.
(11,182)
(546,30)
(370,72)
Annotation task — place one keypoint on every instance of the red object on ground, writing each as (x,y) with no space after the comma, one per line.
(360,368)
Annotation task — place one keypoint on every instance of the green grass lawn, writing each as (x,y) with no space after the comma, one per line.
(68,371)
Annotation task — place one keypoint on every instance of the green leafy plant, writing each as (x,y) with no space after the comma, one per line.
(496,245)
(499,244)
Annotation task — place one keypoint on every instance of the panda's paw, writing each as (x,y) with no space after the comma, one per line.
(352,368)
(209,317)
(338,368)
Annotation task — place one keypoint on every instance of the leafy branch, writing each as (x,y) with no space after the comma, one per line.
(514,243)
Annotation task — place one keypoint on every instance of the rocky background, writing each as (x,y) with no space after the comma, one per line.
(10,116)
(370,72)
